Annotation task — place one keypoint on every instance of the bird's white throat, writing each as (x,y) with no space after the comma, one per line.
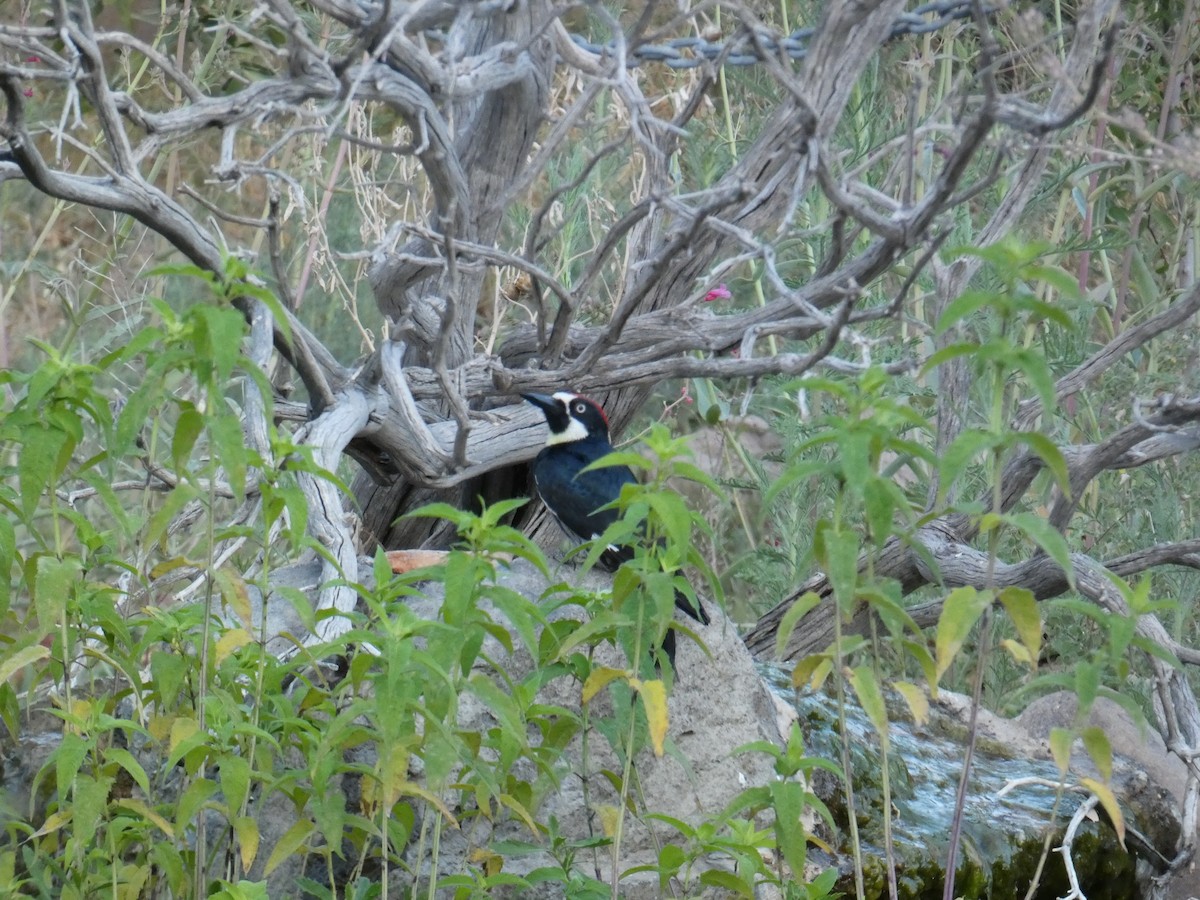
(575,431)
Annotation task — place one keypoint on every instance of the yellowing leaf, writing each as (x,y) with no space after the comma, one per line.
(518,807)
(1095,741)
(230,642)
(170,565)
(234,593)
(408,788)
(182,728)
(598,679)
(491,863)
(1022,608)
(1019,652)
(246,829)
(1109,801)
(22,658)
(918,703)
(609,816)
(160,726)
(862,679)
(960,612)
(53,822)
(812,670)
(140,808)
(1060,748)
(654,699)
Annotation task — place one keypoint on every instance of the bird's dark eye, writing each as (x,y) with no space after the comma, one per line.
(580,407)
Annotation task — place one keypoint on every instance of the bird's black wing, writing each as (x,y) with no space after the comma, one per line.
(575,497)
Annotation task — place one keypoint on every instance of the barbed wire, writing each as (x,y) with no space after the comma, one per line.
(744,50)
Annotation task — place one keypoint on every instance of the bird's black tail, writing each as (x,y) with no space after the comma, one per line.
(694,609)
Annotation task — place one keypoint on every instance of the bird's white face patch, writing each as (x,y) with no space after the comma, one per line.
(575,430)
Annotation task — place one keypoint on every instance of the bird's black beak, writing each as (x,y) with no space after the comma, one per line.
(552,409)
(544,402)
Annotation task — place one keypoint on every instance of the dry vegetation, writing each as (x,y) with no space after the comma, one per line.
(447,204)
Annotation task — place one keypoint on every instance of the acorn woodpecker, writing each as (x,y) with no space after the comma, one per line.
(578,437)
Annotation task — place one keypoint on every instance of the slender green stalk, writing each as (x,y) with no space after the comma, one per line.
(997,421)
(434,848)
(844,734)
(851,814)
(884,748)
(200,867)
(627,769)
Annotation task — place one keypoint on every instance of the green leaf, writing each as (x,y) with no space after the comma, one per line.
(812,670)
(962,307)
(962,450)
(67,759)
(1033,364)
(129,763)
(234,773)
(162,517)
(1046,450)
(52,588)
(886,604)
(1154,648)
(788,799)
(191,802)
(727,881)
(866,688)
(682,469)
(167,671)
(90,800)
(187,430)
(36,463)
(8,556)
(289,845)
(836,550)
(460,517)
(881,498)
(186,736)
(136,411)
(1057,278)
(229,447)
(854,458)
(629,458)
(918,651)
(223,331)
(140,809)
(787,624)
(187,269)
(1087,683)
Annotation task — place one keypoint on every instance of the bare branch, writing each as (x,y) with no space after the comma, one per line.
(1100,361)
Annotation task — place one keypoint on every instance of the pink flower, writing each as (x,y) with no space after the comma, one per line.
(33,59)
(720,292)
(28,92)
